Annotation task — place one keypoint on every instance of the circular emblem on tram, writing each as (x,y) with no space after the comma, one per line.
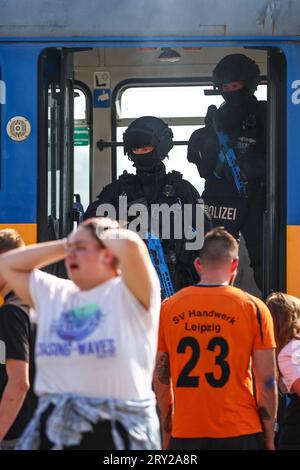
(18,128)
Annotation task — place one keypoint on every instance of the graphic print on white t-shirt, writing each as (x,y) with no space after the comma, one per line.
(78,323)
(100,342)
(74,328)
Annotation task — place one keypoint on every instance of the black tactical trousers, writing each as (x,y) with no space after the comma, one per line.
(239,215)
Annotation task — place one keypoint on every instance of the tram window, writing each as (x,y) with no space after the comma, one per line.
(162,101)
(261,92)
(171,101)
(81,148)
(182,107)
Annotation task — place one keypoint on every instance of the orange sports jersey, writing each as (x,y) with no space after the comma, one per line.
(210,333)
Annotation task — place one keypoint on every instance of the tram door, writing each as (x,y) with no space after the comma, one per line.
(275,215)
(56,128)
(56,175)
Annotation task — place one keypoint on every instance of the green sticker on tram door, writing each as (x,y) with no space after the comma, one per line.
(81,136)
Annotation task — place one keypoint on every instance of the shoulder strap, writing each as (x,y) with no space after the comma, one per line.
(174,176)
(125,176)
(172,187)
(127,181)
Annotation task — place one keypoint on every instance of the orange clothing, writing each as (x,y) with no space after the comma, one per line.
(209,333)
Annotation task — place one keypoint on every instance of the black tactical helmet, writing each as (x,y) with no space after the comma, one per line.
(236,67)
(146,131)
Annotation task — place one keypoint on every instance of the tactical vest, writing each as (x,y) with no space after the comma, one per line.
(132,187)
(180,262)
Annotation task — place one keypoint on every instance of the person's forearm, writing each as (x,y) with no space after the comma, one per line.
(267,409)
(11,403)
(163,392)
(164,403)
(33,256)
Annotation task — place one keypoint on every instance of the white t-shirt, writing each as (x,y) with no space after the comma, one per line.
(289,363)
(96,343)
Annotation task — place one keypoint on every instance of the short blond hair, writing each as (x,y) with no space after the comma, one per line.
(219,246)
(10,239)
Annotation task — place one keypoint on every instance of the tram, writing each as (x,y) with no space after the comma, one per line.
(74,75)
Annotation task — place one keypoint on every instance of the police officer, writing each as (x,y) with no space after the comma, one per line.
(147,142)
(234,191)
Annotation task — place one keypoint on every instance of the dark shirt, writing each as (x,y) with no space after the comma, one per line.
(18,334)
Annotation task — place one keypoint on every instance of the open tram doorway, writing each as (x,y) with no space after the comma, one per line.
(184,120)
(116,85)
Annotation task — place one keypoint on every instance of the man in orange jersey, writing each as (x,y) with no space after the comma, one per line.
(213,337)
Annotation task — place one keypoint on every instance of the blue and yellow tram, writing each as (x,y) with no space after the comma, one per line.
(73,76)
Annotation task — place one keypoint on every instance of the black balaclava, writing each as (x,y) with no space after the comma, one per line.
(241,97)
(146,162)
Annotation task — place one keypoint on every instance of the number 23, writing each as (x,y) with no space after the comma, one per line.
(186,380)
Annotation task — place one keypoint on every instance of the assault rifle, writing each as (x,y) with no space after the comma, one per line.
(226,153)
(158,260)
